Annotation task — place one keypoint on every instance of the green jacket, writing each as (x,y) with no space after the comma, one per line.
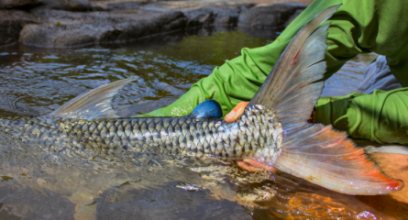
(357,27)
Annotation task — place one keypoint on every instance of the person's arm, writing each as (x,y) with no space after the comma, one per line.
(382,27)
(240,78)
(380,117)
(358,26)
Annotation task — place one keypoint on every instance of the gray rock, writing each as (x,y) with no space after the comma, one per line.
(62,29)
(123,5)
(21,202)
(69,5)
(166,202)
(11,23)
(214,16)
(59,25)
(18,3)
(149,25)
(272,17)
(57,36)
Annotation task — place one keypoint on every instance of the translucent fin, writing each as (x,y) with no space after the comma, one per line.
(328,158)
(291,89)
(93,104)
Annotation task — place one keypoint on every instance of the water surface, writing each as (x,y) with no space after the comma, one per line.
(35,184)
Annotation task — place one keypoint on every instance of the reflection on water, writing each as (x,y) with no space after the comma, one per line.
(35,184)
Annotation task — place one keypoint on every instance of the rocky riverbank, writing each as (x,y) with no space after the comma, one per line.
(76,23)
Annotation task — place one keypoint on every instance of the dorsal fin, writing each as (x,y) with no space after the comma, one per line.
(290,89)
(93,104)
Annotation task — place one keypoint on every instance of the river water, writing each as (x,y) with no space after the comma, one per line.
(35,184)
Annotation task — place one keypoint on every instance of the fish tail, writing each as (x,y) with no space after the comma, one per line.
(315,152)
(328,158)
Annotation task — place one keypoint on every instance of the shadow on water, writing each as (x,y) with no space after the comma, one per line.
(36,184)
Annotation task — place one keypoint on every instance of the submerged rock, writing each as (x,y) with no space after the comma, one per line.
(21,202)
(166,202)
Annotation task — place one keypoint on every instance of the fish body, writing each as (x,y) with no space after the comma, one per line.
(258,133)
(274,129)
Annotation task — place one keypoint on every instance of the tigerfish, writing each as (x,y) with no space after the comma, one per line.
(273,130)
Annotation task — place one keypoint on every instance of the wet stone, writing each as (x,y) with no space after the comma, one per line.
(79,23)
(18,3)
(63,29)
(167,202)
(69,5)
(269,18)
(11,23)
(215,16)
(18,202)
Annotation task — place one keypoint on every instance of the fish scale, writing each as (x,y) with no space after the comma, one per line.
(185,135)
(188,135)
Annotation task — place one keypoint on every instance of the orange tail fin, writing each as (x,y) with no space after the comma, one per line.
(328,158)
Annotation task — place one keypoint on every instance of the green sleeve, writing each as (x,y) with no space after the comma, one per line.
(382,27)
(370,26)
(358,26)
(239,79)
(380,117)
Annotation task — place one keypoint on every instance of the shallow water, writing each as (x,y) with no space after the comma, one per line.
(35,184)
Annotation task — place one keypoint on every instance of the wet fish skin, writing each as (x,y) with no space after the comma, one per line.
(39,131)
(258,133)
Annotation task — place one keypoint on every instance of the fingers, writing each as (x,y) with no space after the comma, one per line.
(236,112)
